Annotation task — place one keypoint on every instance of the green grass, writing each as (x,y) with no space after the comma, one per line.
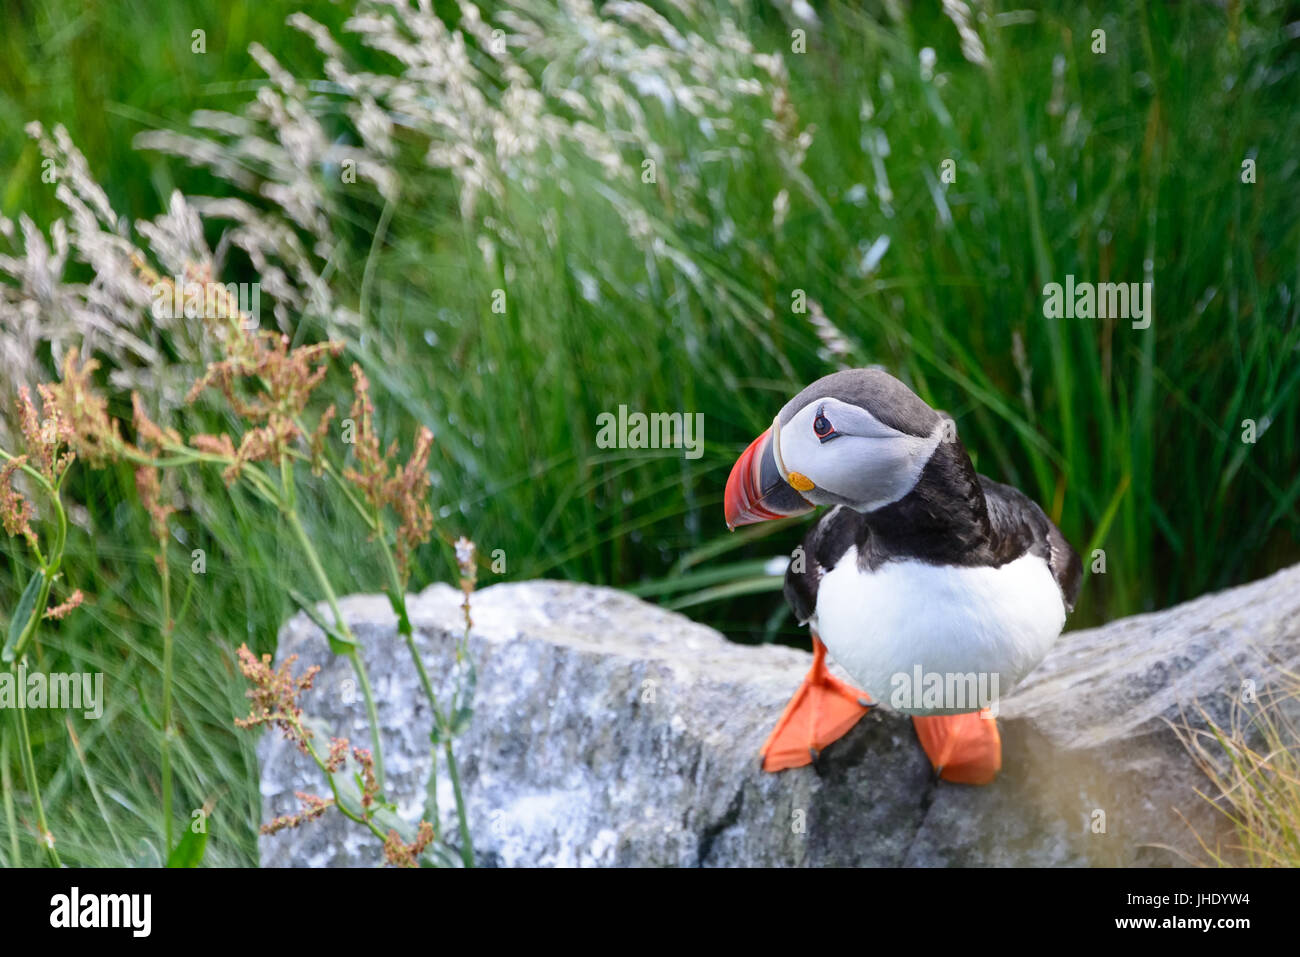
(1131,439)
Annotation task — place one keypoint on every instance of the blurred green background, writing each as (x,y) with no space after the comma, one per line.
(1109,167)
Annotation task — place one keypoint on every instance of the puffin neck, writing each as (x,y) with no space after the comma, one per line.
(943,519)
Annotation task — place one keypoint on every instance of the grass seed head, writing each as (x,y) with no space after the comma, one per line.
(274,693)
(399,854)
(15,511)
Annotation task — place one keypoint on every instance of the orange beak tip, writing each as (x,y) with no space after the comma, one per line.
(740,494)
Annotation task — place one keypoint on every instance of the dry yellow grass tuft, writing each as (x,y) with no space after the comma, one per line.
(1253,765)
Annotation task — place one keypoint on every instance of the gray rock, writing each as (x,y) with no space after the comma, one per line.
(608,731)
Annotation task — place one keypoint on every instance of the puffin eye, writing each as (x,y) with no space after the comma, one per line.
(822,427)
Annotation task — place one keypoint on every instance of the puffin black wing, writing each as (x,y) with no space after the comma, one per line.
(1018,525)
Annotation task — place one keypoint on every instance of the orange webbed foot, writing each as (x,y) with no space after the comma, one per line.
(964,748)
(821,711)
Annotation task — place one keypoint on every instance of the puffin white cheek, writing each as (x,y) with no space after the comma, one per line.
(836,467)
(800,453)
(868,472)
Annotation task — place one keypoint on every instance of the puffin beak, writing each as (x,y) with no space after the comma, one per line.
(756,491)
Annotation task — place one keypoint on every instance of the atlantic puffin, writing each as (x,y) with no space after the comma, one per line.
(920,570)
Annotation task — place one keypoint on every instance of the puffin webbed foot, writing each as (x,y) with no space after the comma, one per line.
(821,711)
(963,748)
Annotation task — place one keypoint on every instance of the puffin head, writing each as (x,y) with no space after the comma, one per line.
(858,438)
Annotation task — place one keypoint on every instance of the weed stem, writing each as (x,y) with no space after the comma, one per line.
(313,560)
